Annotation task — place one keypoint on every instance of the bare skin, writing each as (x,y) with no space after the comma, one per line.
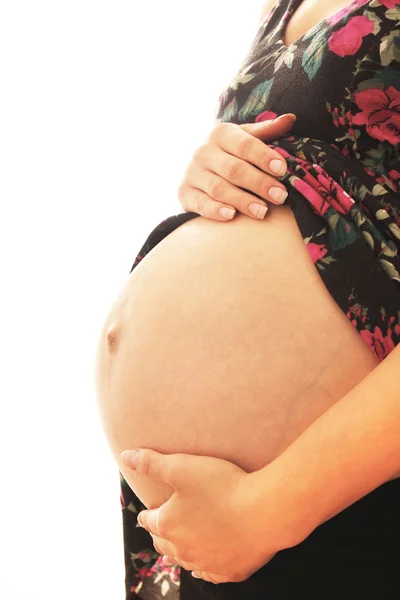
(308,14)
(224,340)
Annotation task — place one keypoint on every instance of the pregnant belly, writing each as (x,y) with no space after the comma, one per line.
(224,342)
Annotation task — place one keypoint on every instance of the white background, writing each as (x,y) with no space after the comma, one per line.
(102,104)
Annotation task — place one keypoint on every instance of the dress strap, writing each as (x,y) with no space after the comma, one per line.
(281,13)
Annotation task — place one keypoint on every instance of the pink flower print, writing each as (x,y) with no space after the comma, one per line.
(316,251)
(314,198)
(267,115)
(380,113)
(348,39)
(145,572)
(380,345)
(340,14)
(389,3)
(144,556)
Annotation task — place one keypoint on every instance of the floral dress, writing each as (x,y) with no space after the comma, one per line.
(342,81)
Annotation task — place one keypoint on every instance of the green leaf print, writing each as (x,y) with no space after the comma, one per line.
(381,81)
(390,270)
(256,101)
(313,55)
(377,158)
(393,13)
(131,507)
(285,58)
(230,111)
(242,78)
(328,260)
(369,239)
(381,214)
(371,16)
(388,50)
(342,233)
(395,230)
(378,190)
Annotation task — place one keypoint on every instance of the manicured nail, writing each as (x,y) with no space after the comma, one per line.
(258,210)
(278,167)
(286,115)
(278,194)
(227,213)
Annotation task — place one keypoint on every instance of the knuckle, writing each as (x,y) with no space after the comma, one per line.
(220,130)
(244,146)
(162,529)
(234,170)
(262,186)
(143,467)
(199,204)
(198,153)
(216,188)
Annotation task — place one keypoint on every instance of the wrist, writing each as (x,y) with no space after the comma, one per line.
(279,506)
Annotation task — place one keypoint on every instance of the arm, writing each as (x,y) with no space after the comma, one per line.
(346,453)
(350,450)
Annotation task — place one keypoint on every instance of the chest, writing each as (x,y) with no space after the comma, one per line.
(307,15)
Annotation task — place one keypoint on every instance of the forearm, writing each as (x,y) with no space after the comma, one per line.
(349,451)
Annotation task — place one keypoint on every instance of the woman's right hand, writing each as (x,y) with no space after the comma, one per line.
(235,159)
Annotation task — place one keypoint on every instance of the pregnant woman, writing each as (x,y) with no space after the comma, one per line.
(238,339)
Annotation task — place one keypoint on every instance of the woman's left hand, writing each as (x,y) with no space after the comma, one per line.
(211,523)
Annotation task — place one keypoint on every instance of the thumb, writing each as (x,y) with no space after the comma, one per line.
(270,129)
(172,469)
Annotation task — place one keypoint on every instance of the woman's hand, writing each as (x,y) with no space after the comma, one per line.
(212,522)
(235,159)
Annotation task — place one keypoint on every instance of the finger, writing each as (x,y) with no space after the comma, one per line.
(270,128)
(235,182)
(209,206)
(170,560)
(195,200)
(148,519)
(210,577)
(162,545)
(244,145)
(173,469)
(145,462)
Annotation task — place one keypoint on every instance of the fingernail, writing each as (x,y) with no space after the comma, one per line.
(227,213)
(277,166)
(130,458)
(258,210)
(138,520)
(277,194)
(286,115)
